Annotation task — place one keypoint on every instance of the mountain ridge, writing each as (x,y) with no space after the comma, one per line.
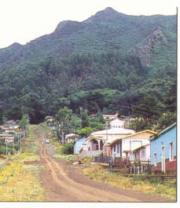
(89,64)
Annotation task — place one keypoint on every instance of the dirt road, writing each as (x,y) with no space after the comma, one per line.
(63,182)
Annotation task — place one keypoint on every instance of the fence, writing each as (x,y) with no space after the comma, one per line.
(122,163)
(103,159)
(141,168)
(92,154)
(10,143)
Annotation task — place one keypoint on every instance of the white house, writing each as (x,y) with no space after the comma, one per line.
(124,147)
(96,141)
(116,123)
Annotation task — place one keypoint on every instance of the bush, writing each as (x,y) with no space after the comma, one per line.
(3,149)
(67,149)
(84,131)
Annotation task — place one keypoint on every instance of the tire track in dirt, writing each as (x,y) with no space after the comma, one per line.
(75,190)
(62,184)
(101,194)
(72,191)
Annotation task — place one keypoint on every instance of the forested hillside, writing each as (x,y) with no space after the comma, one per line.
(109,62)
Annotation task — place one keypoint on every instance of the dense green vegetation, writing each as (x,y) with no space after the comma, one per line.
(82,124)
(91,65)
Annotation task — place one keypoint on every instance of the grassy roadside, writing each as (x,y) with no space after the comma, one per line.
(98,173)
(19,179)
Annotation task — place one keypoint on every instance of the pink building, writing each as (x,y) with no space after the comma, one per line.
(142,153)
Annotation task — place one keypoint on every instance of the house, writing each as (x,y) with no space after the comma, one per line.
(50,120)
(163,150)
(110,117)
(142,154)
(10,123)
(116,123)
(10,126)
(96,141)
(123,147)
(79,145)
(70,138)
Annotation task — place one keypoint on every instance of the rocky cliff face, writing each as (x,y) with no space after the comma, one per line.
(143,50)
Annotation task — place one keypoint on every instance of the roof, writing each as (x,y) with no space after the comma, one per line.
(111,141)
(138,148)
(71,135)
(112,132)
(164,131)
(135,134)
(4,136)
(117,121)
(110,116)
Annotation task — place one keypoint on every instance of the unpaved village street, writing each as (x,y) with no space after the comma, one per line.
(63,182)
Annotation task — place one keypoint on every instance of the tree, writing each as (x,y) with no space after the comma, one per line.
(63,118)
(84,118)
(1,117)
(24,122)
(84,131)
(165,120)
(139,124)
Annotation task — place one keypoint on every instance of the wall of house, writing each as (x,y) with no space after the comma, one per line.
(170,167)
(143,154)
(131,144)
(116,149)
(165,140)
(78,145)
(107,151)
(117,123)
(146,157)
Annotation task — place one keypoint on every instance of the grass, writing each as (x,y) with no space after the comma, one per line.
(58,151)
(165,189)
(19,181)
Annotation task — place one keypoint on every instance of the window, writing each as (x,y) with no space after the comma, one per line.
(171,151)
(143,153)
(155,159)
(118,148)
(114,148)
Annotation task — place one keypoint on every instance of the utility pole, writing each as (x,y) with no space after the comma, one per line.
(19,143)
(6,146)
(13,148)
(106,133)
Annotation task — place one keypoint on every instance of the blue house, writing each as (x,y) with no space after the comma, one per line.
(78,145)
(163,150)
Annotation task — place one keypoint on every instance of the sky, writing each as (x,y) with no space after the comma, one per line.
(24,20)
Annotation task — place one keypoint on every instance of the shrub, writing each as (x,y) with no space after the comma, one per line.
(67,148)
(84,131)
